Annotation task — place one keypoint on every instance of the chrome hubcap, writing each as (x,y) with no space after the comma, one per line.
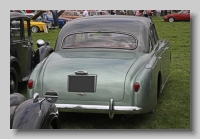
(34,29)
(171,20)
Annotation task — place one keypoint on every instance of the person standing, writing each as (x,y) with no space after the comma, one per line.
(112,12)
(85,13)
(145,13)
(138,13)
(158,12)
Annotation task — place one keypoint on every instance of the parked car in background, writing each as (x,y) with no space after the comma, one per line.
(36,113)
(183,15)
(99,12)
(38,23)
(23,58)
(70,14)
(101,67)
(39,19)
(48,16)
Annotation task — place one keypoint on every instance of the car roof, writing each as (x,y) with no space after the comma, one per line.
(137,26)
(91,22)
(14,15)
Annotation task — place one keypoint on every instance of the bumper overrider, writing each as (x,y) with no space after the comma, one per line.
(111,109)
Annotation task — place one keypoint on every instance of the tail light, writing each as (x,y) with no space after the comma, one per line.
(136,86)
(30,84)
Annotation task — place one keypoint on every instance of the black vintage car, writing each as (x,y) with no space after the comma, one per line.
(36,113)
(23,58)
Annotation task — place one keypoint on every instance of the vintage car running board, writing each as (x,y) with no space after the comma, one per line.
(111,109)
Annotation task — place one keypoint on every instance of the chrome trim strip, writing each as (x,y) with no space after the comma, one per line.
(99,107)
(119,32)
(51,96)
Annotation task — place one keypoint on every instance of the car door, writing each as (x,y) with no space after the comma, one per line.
(187,15)
(20,46)
(184,15)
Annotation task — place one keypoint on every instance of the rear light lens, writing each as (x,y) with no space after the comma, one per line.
(136,86)
(30,84)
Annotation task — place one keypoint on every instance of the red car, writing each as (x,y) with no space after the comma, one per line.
(183,15)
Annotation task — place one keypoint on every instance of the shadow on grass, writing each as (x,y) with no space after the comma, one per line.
(101,121)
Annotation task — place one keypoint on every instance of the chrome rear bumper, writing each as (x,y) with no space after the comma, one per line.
(111,109)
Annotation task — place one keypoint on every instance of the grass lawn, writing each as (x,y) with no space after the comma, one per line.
(173,108)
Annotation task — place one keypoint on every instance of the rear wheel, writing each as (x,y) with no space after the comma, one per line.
(159,91)
(35,29)
(13,80)
(171,19)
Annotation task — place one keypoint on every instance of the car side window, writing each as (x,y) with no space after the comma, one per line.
(25,30)
(150,44)
(76,14)
(152,37)
(155,33)
(67,13)
(15,30)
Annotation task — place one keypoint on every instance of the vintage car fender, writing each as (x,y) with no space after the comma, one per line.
(40,25)
(150,79)
(35,76)
(39,118)
(15,100)
(146,74)
(41,53)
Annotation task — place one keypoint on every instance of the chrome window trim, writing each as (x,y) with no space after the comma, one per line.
(63,47)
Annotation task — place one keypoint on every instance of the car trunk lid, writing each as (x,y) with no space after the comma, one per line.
(110,67)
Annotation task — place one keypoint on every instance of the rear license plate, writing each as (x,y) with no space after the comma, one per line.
(82,83)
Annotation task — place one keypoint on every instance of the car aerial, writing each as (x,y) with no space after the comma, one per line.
(39,24)
(48,16)
(105,64)
(23,58)
(36,113)
(183,15)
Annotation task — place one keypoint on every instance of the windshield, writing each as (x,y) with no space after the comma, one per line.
(184,11)
(49,16)
(100,40)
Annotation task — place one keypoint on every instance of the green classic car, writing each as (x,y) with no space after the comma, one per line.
(105,64)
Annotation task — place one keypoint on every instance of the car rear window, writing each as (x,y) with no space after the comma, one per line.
(100,40)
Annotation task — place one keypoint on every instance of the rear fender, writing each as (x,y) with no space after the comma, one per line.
(15,100)
(146,97)
(52,120)
(28,115)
